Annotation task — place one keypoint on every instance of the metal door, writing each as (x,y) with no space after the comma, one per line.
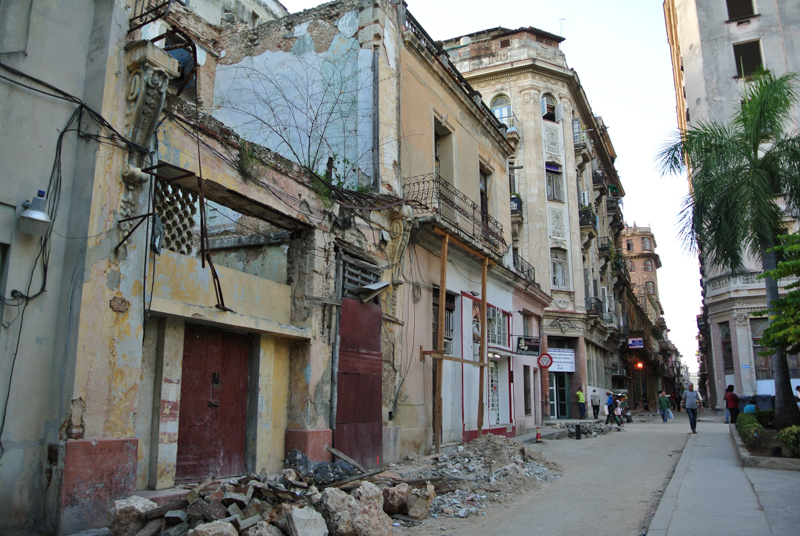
(213,404)
(359,426)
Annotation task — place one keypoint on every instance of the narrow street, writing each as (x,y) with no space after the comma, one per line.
(611,485)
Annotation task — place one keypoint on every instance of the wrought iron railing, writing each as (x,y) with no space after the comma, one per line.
(594,306)
(581,140)
(588,218)
(610,319)
(434,196)
(598,178)
(619,267)
(516,206)
(605,245)
(613,205)
(146,11)
(524,268)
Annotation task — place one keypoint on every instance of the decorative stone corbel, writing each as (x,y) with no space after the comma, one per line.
(149,72)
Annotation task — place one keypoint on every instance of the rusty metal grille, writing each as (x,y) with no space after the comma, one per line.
(434,196)
(146,11)
(177,208)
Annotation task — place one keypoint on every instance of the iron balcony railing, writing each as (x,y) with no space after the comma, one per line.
(146,11)
(588,218)
(581,140)
(436,197)
(516,206)
(620,268)
(613,205)
(594,306)
(524,268)
(604,245)
(598,178)
(610,319)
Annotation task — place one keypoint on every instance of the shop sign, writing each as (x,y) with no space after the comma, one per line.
(529,345)
(636,343)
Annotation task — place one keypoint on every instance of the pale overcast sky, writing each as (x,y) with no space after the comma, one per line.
(619,49)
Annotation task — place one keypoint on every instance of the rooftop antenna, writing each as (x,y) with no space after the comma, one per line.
(561,27)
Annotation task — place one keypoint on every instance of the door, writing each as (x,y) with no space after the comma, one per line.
(559,395)
(494,392)
(213,404)
(359,425)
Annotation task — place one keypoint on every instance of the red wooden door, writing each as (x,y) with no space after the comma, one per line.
(213,410)
(359,426)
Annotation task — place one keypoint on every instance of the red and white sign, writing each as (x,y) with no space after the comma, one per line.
(545,360)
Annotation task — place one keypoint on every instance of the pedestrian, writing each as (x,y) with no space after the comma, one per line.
(581,401)
(731,404)
(663,405)
(677,401)
(797,396)
(750,408)
(610,407)
(618,410)
(595,400)
(692,403)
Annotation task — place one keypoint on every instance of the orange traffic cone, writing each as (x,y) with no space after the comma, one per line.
(538,436)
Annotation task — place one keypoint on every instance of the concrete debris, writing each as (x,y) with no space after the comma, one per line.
(311,499)
(590,429)
(125,517)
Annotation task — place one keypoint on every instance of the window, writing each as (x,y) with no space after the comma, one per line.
(483,184)
(739,9)
(648,265)
(449,321)
(646,244)
(555,184)
(526,389)
(558,262)
(727,348)
(505,43)
(501,107)
(748,58)
(443,152)
(496,326)
(651,287)
(550,110)
(629,245)
(763,363)
(631,266)
(512,176)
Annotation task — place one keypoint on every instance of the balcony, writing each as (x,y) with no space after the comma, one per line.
(434,197)
(146,11)
(614,206)
(524,268)
(594,306)
(605,246)
(610,320)
(581,140)
(588,218)
(516,207)
(620,269)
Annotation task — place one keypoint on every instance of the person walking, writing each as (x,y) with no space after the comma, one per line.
(610,407)
(581,401)
(732,403)
(663,405)
(595,400)
(692,403)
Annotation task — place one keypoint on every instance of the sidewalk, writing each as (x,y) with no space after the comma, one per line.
(712,493)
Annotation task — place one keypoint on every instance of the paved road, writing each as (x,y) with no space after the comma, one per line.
(611,485)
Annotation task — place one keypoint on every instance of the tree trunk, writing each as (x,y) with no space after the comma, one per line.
(786,411)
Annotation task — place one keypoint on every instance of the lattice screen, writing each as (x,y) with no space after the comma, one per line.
(177,207)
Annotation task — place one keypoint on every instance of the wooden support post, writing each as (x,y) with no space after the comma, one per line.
(482,356)
(438,363)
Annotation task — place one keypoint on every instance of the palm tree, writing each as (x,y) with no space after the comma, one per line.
(737,172)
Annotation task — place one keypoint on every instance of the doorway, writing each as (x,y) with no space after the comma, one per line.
(213,404)
(559,395)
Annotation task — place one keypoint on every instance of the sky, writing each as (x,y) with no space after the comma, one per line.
(619,49)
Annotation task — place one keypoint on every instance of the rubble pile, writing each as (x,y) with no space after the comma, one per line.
(590,429)
(337,499)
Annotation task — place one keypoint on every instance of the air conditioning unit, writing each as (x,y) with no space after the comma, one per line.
(491,313)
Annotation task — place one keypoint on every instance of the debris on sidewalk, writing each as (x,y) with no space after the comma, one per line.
(589,429)
(310,499)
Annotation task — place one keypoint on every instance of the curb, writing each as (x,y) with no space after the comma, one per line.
(764,462)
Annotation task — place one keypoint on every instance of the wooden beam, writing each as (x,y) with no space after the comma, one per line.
(462,245)
(482,357)
(438,355)
(348,459)
(438,363)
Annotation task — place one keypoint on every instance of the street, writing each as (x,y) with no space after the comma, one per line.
(611,485)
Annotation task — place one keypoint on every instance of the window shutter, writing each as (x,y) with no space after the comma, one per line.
(543,105)
(559,112)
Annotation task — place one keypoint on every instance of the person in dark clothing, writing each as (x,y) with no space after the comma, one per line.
(610,406)
(732,403)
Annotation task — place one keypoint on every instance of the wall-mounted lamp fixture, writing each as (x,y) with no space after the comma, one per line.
(34,220)
(475,293)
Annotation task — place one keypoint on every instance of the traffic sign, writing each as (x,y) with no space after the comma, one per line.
(545,360)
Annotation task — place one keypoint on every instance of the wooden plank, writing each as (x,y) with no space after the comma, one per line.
(482,357)
(439,364)
(436,355)
(161,510)
(462,245)
(346,458)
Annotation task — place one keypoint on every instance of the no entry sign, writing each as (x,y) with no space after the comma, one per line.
(545,360)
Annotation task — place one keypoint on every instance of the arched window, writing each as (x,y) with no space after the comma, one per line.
(549,108)
(631,266)
(501,107)
(648,265)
